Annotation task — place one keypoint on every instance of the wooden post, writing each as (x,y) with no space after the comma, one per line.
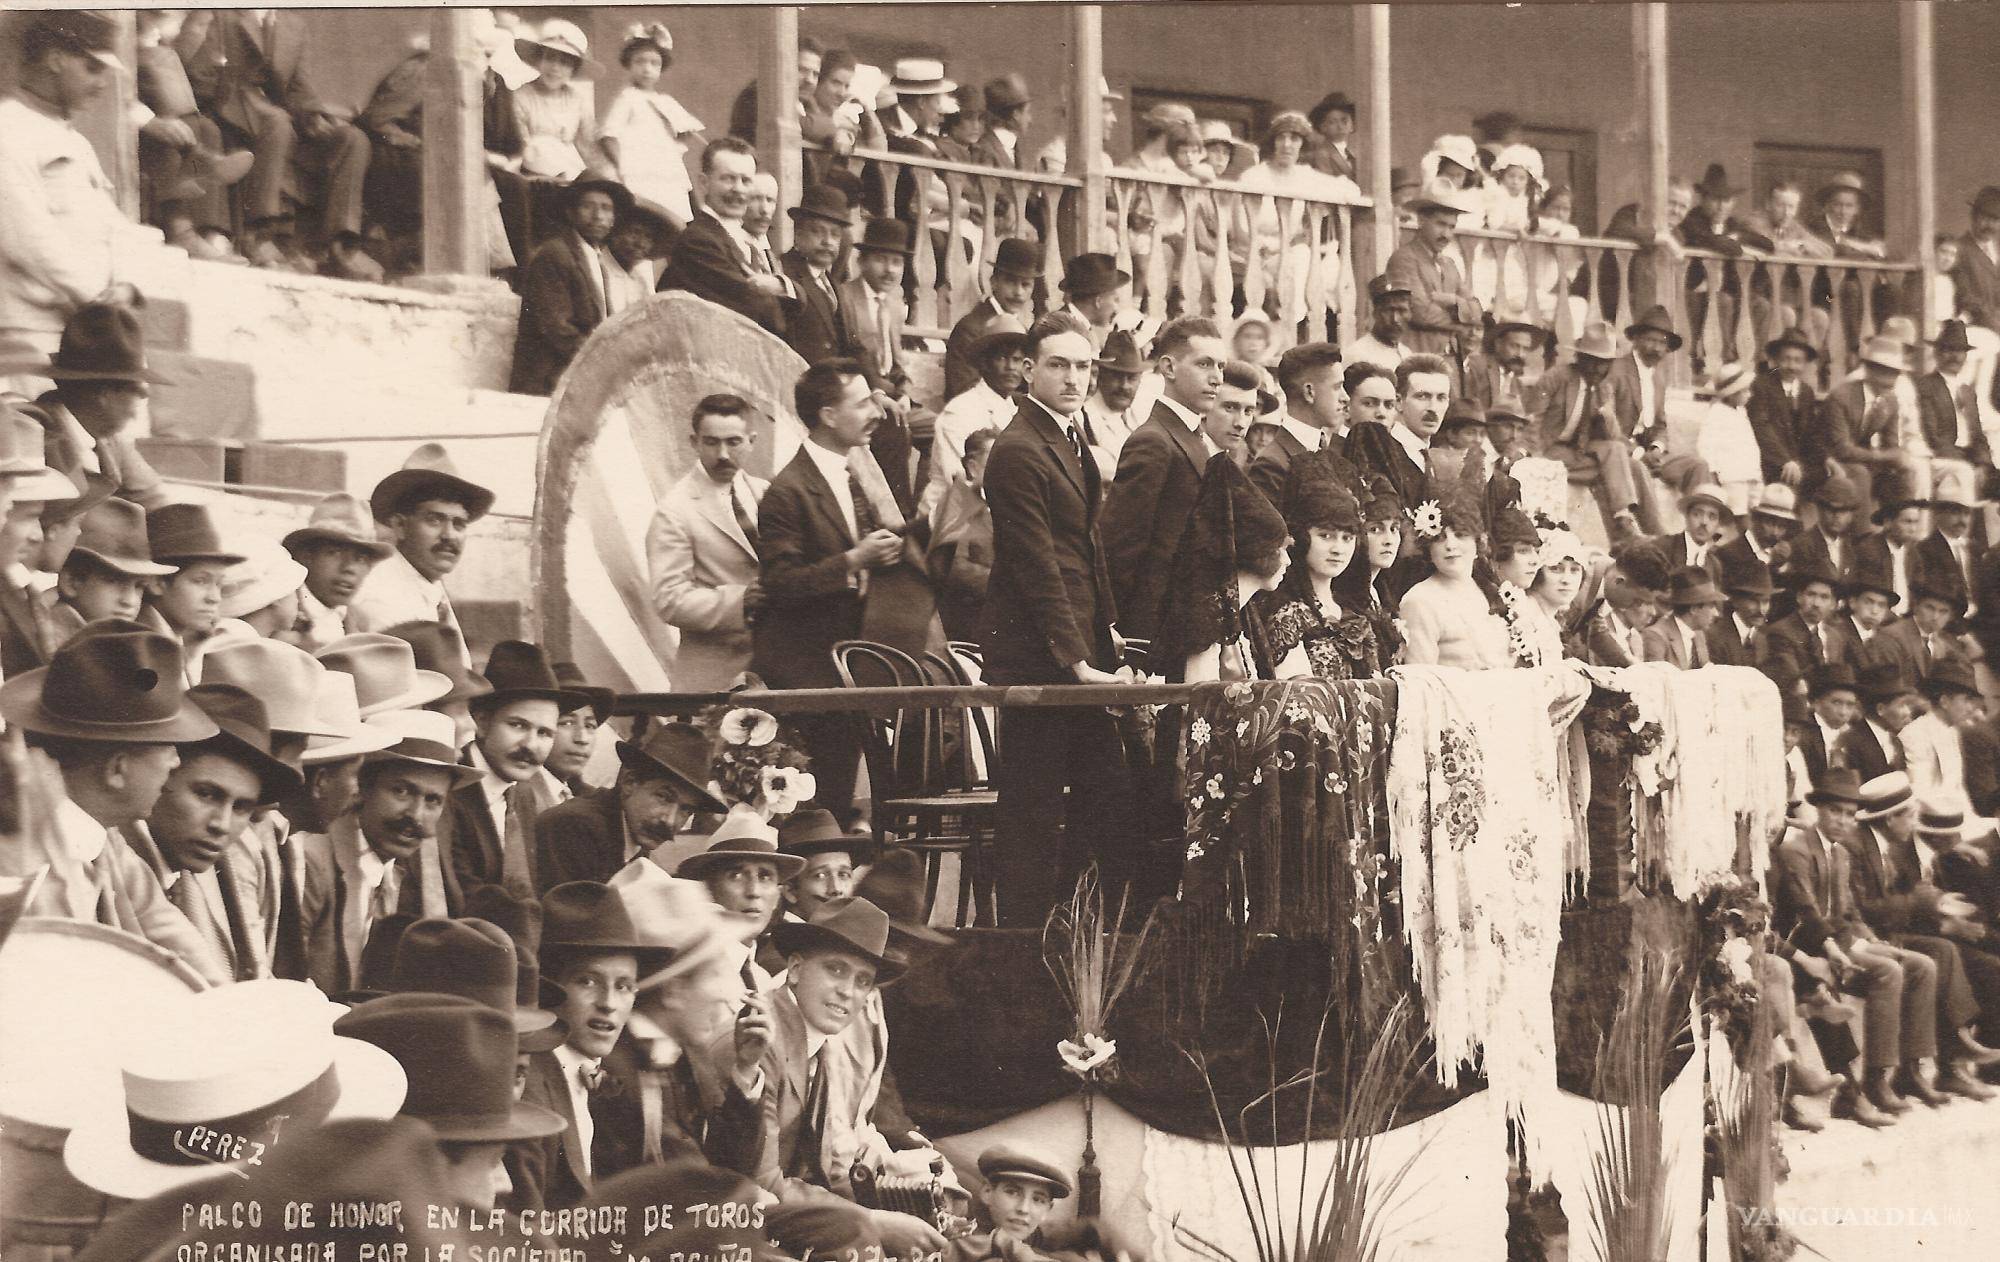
(1916,176)
(1086,128)
(1371,67)
(1649,60)
(456,200)
(778,113)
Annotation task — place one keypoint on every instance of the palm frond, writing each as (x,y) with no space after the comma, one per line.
(1093,964)
(1631,1216)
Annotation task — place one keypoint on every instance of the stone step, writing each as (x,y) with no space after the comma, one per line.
(203,397)
(164,323)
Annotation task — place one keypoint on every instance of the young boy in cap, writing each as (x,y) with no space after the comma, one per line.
(1021,1190)
(110,709)
(493,819)
(745,873)
(188,601)
(108,569)
(339,547)
(661,782)
(428,510)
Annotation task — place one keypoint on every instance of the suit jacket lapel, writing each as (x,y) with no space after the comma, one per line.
(1051,433)
(1183,437)
(14,606)
(822,493)
(559,1096)
(488,837)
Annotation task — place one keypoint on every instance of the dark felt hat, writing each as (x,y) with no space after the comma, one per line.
(1715,182)
(851,926)
(1008,92)
(1951,337)
(1088,275)
(102,341)
(520,917)
(823,202)
(474,958)
(113,681)
(895,883)
(1655,320)
(245,736)
(621,197)
(88,31)
(428,474)
(1928,587)
(1986,201)
(1814,569)
(1690,586)
(1385,286)
(459,1055)
(681,752)
(1793,336)
(1884,681)
(1837,494)
(814,831)
(602,701)
(1865,577)
(1827,677)
(439,649)
(113,533)
(179,533)
(1121,353)
(1950,674)
(886,236)
(1018,257)
(1748,579)
(1838,784)
(520,671)
(1462,413)
(589,916)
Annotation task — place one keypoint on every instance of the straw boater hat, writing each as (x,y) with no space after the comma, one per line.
(428,474)
(1886,795)
(113,681)
(385,672)
(424,738)
(340,519)
(283,676)
(234,1073)
(920,76)
(113,533)
(1732,379)
(742,837)
(245,737)
(1944,821)
(679,752)
(850,926)
(458,1055)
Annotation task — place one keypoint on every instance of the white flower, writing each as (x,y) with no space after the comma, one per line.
(1735,956)
(785,787)
(1214,786)
(1198,731)
(1086,1054)
(1428,519)
(744,726)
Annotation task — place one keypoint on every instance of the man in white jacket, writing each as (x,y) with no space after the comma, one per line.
(701,550)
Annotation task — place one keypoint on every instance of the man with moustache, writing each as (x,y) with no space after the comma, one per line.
(1443,312)
(1389,321)
(338,545)
(492,838)
(1147,506)
(1049,620)
(660,785)
(206,805)
(428,510)
(1399,452)
(1581,426)
(568,287)
(717,257)
(1500,371)
(1111,416)
(382,858)
(818,329)
(701,550)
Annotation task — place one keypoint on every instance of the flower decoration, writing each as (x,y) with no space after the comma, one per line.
(744,726)
(756,767)
(1087,1054)
(1517,631)
(1198,731)
(786,787)
(1427,519)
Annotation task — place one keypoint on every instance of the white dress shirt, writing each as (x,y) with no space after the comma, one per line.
(1409,441)
(365,873)
(834,468)
(493,790)
(395,593)
(1649,388)
(1311,437)
(1697,553)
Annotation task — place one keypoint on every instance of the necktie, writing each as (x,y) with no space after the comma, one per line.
(183,895)
(865,521)
(590,1075)
(388,894)
(744,522)
(812,1134)
(448,617)
(1818,649)
(885,334)
(516,869)
(1968,409)
(1089,434)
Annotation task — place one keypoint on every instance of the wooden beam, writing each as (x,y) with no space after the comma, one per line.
(1086,127)
(456,198)
(1371,66)
(1916,181)
(778,114)
(1649,62)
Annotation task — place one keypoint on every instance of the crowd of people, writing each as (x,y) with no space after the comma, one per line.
(277,763)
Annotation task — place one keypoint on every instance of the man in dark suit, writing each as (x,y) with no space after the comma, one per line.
(715,258)
(1977,275)
(1836,702)
(27,634)
(394,121)
(1783,411)
(1948,400)
(1827,544)
(1980,744)
(1871,745)
(1861,420)
(1011,293)
(1309,374)
(1048,620)
(1733,638)
(492,820)
(1949,556)
(820,538)
(566,290)
(248,72)
(1893,551)
(1793,645)
(1914,644)
(1159,471)
(660,784)
(1869,596)
(1499,370)
(819,236)
(1398,451)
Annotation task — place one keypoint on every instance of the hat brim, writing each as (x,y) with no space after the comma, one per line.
(910,930)
(99,1150)
(461,775)
(796,213)
(650,958)
(1868,815)
(1771,348)
(877,247)
(696,867)
(859,846)
(395,492)
(528,49)
(796,936)
(1883,361)
(370,739)
(279,779)
(1765,588)
(1775,514)
(630,755)
(430,686)
(1094,286)
(137,376)
(127,565)
(1703,497)
(39,485)
(542,1038)
(307,535)
(1674,340)
(525,1120)
(1820,797)
(263,593)
(1520,326)
(21,705)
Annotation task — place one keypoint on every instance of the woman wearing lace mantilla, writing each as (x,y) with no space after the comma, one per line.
(1234,548)
(1450,618)
(1306,627)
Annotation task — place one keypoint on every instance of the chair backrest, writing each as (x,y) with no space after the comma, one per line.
(894,744)
(970,664)
(968,760)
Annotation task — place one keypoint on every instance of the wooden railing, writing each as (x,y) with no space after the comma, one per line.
(1556,283)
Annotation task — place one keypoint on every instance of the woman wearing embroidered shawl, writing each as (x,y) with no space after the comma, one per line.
(1309,626)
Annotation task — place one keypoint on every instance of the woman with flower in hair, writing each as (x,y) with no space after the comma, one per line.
(1234,548)
(1450,619)
(1306,628)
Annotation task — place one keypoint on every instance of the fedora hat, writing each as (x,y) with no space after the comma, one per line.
(1121,353)
(245,737)
(1004,336)
(741,837)
(674,915)
(439,649)
(1952,486)
(1827,677)
(1655,320)
(1885,352)
(824,202)
(1516,324)
(622,201)
(385,672)
(284,676)
(113,533)
(25,475)
(520,671)
(886,236)
(182,533)
(1715,182)
(1004,1161)
(102,341)
(1882,682)
(590,916)
(1707,493)
(428,474)
(1951,337)
(813,830)
(920,76)
(557,36)
(1018,257)
(895,883)
(1690,586)
(1777,501)
(336,706)
(1837,495)
(1461,413)
(1443,195)
(113,681)
(1596,342)
(1386,286)
(1986,201)
(1849,181)
(1895,491)
(340,519)
(1926,587)
(1813,569)
(230,1074)
(1950,674)
(602,701)
(424,738)
(1793,336)
(1837,784)
(1865,577)
(681,753)
(850,926)
(264,576)
(1089,275)
(1752,578)
(520,918)
(475,959)
(1008,92)
(1885,795)
(458,1055)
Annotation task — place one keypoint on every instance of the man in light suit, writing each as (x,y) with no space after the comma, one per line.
(248,72)
(872,307)
(1862,425)
(1682,636)
(1443,313)
(716,258)
(701,550)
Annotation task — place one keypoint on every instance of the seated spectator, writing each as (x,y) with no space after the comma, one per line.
(1387,341)
(1783,409)
(1333,153)
(1501,367)
(1872,745)
(1703,510)
(1681,638)
(1021,1189)
(181,156)
(1635,589)
(1008,113)
(640,243)
(873,308)
(101,383)
(745,873)
(964,123)
(960,556)
(1980,742)
(1726,442)
(643,132)
(568,288)
(1452,160)
(1949,555)
(1580,426)
(107,570)
(1733,637)
(1894,550)
(1976,276)
(1463,426)
(249,74)
(1796,644)
(1931,742)
(1507,421)
(1915,646)
(1011,293)
(557,112)
(659,788)
(743,112)
(188,603)
(27,488)
(1443,313)
(819,242)
(1766,539)
(427,510)
(1950,400)
(1002,358)
(1094,286)
(717,258)
(1250,340)
(1778,222)
(1228,157)
(1282,172)
(1839,218)
(1870,593)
